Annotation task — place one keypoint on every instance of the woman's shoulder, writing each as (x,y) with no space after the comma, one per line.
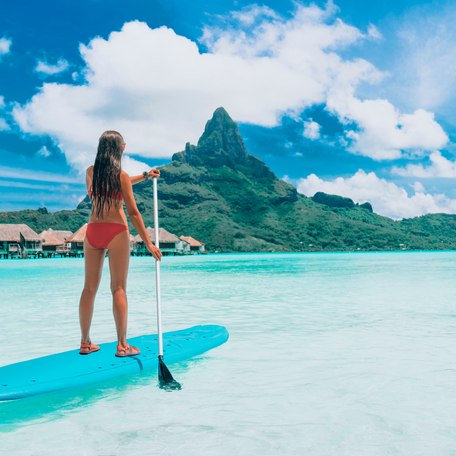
(124,179)
(89,170)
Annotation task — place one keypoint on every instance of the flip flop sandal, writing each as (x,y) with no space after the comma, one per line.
(128,350)
(88,348)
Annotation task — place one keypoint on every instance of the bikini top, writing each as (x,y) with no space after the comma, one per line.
(117,196)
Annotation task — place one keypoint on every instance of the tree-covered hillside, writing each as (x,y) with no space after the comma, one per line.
(218,193)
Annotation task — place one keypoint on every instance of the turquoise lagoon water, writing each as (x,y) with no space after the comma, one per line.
(329,354)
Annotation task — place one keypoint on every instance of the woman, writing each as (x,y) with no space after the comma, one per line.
(107,230)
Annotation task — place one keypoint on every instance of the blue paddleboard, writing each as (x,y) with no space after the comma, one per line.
(70,369)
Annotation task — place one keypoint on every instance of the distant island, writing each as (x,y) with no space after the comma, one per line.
(233,202)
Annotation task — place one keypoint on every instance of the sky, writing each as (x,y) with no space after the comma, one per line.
(347,97)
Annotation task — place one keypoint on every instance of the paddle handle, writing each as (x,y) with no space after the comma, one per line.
(157,271)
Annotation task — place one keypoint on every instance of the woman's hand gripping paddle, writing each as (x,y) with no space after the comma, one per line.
(165,379)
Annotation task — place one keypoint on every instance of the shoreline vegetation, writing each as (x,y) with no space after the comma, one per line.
(233,202)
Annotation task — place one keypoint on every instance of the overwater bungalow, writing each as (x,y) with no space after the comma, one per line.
(170,244)
(18,240)
(77,241)
(63,235)
(51,243)
(195,245)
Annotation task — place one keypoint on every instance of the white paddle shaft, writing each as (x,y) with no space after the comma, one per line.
(157,271)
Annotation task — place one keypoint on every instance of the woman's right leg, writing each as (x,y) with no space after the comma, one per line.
(93,259)
(119,258)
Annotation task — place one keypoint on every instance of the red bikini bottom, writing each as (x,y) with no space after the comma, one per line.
(100,235)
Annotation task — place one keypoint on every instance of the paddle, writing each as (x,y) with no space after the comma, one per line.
(165,379)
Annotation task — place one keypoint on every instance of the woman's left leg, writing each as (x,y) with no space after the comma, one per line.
(93,259)
(119,259)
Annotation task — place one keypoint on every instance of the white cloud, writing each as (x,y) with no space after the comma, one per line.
(384,132)
(133,166)
(439,167)
(44,152)
(5,46)
(373,32)
(252,13)
(312,130)
(418,187)
(48,187)
(158,110)
(386,197)
(34,175)
(309,33)
(51,69)
(4,124)
(158,89)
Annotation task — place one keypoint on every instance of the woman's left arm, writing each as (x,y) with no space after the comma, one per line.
(140,177)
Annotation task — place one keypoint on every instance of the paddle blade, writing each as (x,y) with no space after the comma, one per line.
(165,379)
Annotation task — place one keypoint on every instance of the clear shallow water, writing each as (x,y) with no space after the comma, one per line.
(329,354)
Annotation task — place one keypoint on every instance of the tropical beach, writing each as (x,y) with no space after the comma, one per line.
(227,228)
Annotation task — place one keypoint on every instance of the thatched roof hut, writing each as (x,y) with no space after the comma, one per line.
(163,236)
(49,239)
(63,235)
(11,232)
(192,241)
(79,235)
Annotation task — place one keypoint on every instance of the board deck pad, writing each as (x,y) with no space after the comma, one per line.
(70,369)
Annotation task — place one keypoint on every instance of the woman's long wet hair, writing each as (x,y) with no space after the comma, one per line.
(106,172)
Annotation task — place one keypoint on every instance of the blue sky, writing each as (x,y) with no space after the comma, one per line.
(344,97)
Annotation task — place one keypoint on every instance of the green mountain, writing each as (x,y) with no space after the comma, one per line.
(221,195)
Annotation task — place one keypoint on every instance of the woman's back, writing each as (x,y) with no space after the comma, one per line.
(113,213)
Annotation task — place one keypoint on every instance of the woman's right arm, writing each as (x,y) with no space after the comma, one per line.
(135,215)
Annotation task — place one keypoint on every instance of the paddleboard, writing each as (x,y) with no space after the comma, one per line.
(70,369)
